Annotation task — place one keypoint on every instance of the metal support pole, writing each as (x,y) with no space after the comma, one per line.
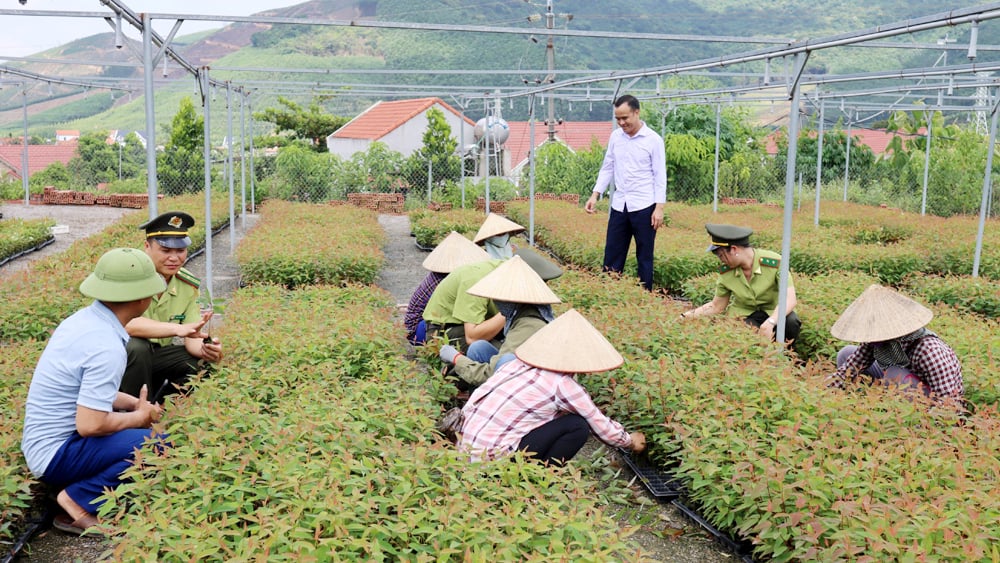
(206,103)
(847,161)
(718,127)
(819,161)
(24,147)
(461,152)
(253,172)
(987,188)
(243,163)
(786,236)
(531,170)
(229,166)
(147,80)
(430,181)
(927,164)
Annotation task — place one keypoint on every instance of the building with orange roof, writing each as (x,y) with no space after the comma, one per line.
(576,135)
(39,158)
(399,124)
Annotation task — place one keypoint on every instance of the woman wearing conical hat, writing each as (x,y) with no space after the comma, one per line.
(452,252)
(895,347)
(535,405)
(518,288)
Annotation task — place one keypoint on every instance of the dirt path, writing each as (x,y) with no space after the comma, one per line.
(666,535)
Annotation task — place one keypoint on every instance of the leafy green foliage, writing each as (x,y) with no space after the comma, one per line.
(181,165)
(18,235)
(310,123)
(293,245)
(430,227)
(286,451)
(39,297)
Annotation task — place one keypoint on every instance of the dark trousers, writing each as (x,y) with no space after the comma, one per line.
(623,226)
(556,441)
(86,467)
(151,365)
(792,323)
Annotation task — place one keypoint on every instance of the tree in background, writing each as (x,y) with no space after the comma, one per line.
(312,124)
(181,165)
(96,161)
(438,149)
(559,170)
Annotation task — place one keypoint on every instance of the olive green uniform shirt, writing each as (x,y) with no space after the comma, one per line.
(525,324)
(177,304)
(760,293)
(450,304)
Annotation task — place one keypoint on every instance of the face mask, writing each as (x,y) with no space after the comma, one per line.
(498,247)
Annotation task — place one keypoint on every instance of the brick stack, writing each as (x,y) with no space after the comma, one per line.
(495,206)
(738,201)
(52,196)
(379,202)
(435,206)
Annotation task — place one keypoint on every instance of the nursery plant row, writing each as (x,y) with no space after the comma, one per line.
(336,413)
(38,298)
(315,441)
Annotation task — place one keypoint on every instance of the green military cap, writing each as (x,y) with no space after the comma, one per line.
(170,229)
(727,235)
(545,268)
(121,275)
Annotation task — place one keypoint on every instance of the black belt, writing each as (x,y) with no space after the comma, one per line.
(437,327)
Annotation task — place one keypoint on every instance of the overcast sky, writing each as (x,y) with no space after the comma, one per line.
(22,36)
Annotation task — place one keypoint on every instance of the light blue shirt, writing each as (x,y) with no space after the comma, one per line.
(82,364)
(638,165)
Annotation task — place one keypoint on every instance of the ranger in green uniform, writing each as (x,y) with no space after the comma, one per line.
(747,285)
(153,357)
(460,317)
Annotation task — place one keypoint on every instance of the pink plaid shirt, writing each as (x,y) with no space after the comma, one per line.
(931,360)
(519,398)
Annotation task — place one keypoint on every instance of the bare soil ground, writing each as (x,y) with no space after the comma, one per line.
(664,534)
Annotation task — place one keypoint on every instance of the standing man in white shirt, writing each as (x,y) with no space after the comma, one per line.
(636,161)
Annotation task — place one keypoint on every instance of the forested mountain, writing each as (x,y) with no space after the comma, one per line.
(510,60)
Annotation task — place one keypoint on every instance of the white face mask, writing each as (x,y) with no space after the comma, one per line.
(498,247)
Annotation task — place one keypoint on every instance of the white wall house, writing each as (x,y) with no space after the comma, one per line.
(400,125)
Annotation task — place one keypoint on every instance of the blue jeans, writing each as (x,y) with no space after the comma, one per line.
(86,466)
(481,351)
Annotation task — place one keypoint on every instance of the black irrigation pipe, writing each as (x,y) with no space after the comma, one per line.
(216,231)
(37,247)
(34,525)
(665,488)
(737,548)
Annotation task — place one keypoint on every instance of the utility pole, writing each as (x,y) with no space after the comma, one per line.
(550,57)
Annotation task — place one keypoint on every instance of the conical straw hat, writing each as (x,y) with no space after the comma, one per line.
(496,225)
(569,344)
(880,314)
(454,251)
(516,282)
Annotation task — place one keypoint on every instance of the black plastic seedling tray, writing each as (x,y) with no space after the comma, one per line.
(657,480)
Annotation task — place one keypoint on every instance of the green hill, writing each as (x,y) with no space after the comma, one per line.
(336,49)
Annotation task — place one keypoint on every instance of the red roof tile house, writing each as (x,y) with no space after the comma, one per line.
(578,136)
(399,124)
(39,158)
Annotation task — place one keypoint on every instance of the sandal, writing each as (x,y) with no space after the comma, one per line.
(86,524)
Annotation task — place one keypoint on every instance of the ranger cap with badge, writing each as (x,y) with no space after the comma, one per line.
(170,229)
(725,236)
